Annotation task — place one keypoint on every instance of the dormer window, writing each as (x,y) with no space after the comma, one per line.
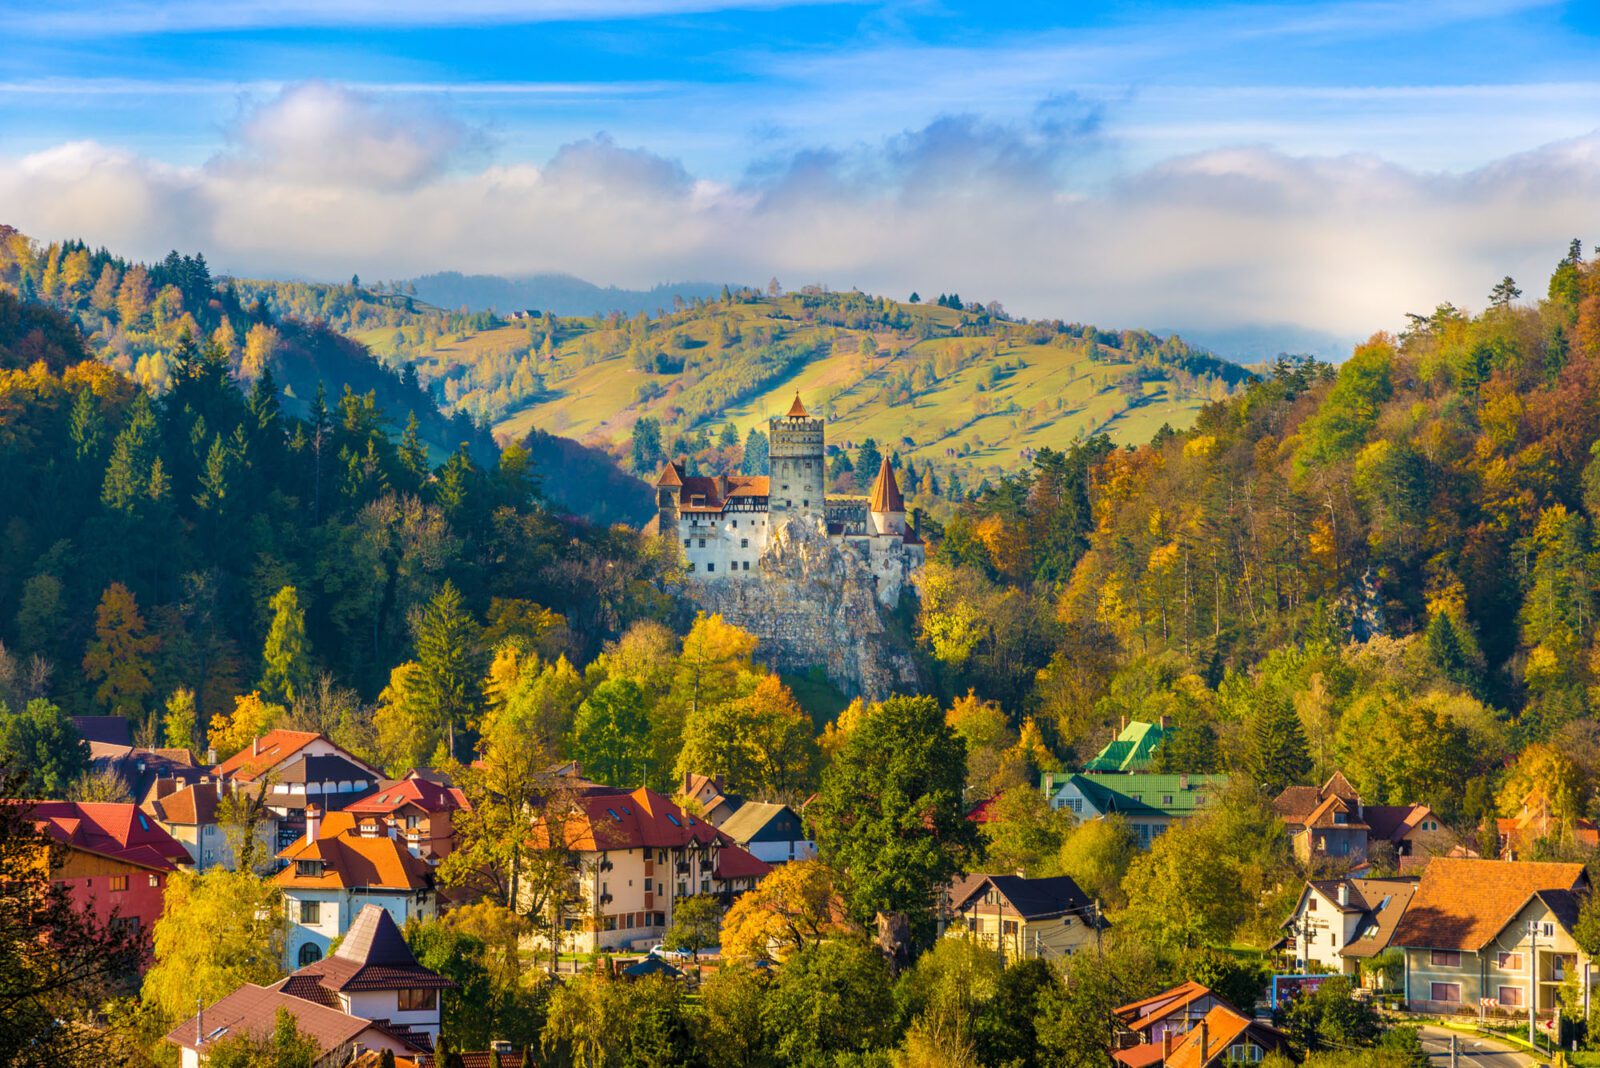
(310,869)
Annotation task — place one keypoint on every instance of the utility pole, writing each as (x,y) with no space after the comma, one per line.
(1455,1052)
(1533,982)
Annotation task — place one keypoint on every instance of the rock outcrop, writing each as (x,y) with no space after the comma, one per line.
(814,604)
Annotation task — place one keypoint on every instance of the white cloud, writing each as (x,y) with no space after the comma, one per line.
(322,182)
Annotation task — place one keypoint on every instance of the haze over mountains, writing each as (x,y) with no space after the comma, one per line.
(563,294)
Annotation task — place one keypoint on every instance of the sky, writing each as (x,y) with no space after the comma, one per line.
(1308,170)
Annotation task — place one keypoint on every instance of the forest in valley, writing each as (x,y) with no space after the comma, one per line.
(1385,567)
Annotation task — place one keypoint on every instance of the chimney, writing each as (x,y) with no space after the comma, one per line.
(199,1021)
(1166,1046)
(313,822)
(255,746)
(211,756)
(219,787)
(1124,725)
(1344,895)
(1205,1042)
(1165,722)
(1183,781)
(394,829)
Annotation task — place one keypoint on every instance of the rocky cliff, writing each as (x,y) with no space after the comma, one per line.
(815,604)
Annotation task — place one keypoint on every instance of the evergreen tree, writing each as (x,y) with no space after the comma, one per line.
(868,460)
(128,474)
(447,670)
(755,460)
(646,445)
(286,666)
(1277,754)
(120,655)
(413,453)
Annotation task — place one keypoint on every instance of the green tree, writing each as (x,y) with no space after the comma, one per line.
(286,1047)
(42,740)
(181,718)
(447,661)
(696,924)
(647,455)
(890,813)
(1276,753)
(611,733)
(754,461)
(286,666)
(829,1000)
(1097,853)
(868,460)
(760,744)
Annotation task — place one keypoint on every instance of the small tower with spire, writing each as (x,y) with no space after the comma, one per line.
(795,463)
(886,508)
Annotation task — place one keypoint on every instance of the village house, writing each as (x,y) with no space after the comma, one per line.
(113,860)
(1537,821)
(1224,1036)
(635,855)
(252,1011)
(299,769)
(1025,918)
(1132,748)
(1149,803)
(770,832)
(140,770)
(334,869)
(705,794)
(1150,1026)
(1340,924)
(193,815)
(1494,935)
(420,807)
(1330,824)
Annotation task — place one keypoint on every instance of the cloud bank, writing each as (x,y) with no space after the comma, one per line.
(321,181)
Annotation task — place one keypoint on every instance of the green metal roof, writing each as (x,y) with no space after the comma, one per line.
(1132,750)
(1140,794)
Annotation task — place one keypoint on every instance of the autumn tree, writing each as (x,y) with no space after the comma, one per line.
(250,719)
(760,744)
(696,924)
(793,906)
(119,657)
(218,930)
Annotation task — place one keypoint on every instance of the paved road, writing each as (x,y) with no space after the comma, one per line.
(1475,1052)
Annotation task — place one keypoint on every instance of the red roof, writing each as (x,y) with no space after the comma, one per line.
(118,831)
(886,491)
(797,410)
(265,752)
(395,794)
(622,819)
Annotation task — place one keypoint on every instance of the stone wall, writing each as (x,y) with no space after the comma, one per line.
(815,605)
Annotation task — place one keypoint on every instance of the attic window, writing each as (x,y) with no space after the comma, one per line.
(614,815)
(674,820)
(309,868)
(143,823)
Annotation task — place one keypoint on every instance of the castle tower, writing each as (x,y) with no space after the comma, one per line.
(798,475)
(886,509)
(668,486)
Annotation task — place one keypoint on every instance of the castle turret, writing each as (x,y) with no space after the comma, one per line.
(798,474)
(669,485)
(886,509)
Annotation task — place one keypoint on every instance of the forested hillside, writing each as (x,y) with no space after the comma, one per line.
(559,293)
(1388,568)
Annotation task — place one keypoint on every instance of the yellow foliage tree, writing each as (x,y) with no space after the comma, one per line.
(795,906)
(119,656)
(218,930)
(251,718)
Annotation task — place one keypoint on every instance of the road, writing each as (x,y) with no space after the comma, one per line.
(1476,1052)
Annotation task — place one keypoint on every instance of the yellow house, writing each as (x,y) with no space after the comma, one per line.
(1021,918)
(1493,936)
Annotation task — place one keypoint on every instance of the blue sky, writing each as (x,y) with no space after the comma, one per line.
(1320,165)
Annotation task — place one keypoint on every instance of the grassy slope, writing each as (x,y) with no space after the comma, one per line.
(598,404)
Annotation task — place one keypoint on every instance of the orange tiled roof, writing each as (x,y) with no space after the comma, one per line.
(393,794)
(1223,1027)
(1463,904)
(609,818)
(886,491)
(352,860)
(268,751)
(1138,1015)
(797,410)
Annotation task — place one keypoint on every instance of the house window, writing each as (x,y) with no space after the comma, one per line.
(1510,962)
(310,912)
(1008,928)
(119,882)
(309,954)
(155,880)
(660,919)
(1549,930)
(1311,905)
(418,1000)
(125,924)
(649,886)
(705,886)
(1244,1053)
(311,869)
(1445,958)
(1446,993)
(1509,996)
(746,566)
(1166,799)
(702,543)
(413,823)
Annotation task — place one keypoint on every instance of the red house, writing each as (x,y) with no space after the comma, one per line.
(418,807)
(116,862)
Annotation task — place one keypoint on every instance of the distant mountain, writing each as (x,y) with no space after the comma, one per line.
(1258,343)
(559,293)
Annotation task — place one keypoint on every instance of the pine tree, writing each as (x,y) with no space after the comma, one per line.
(286,667)
(133,453)
(86,428)
(447,672)
(1277,753)
(413,453)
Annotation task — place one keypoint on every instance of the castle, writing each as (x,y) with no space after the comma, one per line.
(727,522)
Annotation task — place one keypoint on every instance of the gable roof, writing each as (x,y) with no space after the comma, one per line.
(1464,903)
(1223,1027)
(1131,749)
(1142,794)
(885,496)
(751,818)
(610,818)
(1382,903)
(1032,899)
(1333,806)
(351,860)
(1296,803)
(119,831)
(426,794)
(1138,1015)
(109,730)
(265,753)
(196,804)
(253,1010)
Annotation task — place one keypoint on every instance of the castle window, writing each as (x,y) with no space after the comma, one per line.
(702,543)
(747,565)
(691,565)
(686,542)
(711,567)
(744,543)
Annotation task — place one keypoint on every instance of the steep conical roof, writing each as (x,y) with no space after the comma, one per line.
(886,491)
(374,939)
(797,410)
